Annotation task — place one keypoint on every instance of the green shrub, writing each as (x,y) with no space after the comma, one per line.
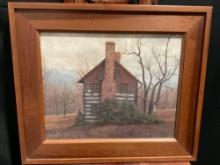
(80,119)
(115,112)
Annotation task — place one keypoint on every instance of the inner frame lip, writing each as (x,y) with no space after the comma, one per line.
(129,139)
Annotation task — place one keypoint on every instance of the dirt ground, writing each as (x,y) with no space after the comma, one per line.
(60,127)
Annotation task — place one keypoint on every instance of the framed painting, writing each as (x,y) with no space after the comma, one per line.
(108,83)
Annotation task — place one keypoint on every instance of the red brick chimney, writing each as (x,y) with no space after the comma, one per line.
(109,83)
(117,56)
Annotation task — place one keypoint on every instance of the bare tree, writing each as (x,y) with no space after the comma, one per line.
(144,68)
(166,71)
(46,74)
(66,96)
(55,98)
(157,68)
(168,98)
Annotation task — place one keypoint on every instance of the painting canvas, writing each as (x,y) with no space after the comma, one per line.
(106,85)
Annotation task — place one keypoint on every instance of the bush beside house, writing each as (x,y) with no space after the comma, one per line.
(115,112)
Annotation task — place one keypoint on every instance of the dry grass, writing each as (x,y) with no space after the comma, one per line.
(167,115)
(58,127)
(60,121)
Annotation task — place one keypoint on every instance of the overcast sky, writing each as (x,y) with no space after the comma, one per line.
(63,52)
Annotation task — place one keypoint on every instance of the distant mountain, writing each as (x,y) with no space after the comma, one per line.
(62,77)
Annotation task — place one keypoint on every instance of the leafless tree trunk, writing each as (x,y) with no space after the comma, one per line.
(66,98)
(138,54)
(166,72)
(46,75)
(55,98)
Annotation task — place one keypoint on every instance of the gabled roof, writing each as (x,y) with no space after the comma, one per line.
(82,79)
(103,62)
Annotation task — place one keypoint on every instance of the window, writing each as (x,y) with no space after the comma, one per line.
(117,73)
(95,86)
(131,88)
(100,73)
(123,88)
(87,87)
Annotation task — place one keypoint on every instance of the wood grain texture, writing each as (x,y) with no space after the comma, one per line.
(149,2)
(26,23)
(206,39)
(110,22)
(189,84)
(17,85)
(164,163)
(191,10)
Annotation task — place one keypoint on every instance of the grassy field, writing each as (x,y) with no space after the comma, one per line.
(58,127)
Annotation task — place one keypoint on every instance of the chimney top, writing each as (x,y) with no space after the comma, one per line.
(109,49)
(110,42)
(110,52)
(117,56)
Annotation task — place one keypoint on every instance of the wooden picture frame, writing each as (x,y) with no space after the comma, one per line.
(27,20)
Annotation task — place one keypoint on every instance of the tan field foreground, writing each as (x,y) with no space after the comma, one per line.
(60,126)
